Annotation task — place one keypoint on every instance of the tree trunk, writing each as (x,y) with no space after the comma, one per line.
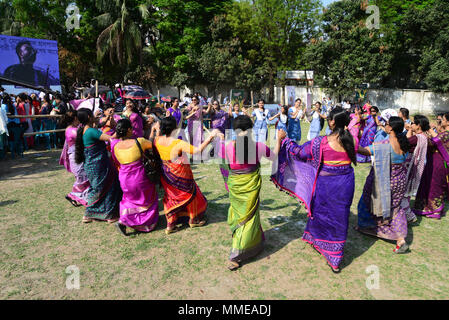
(271,89)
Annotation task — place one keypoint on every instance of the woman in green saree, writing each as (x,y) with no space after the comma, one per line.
(243,180)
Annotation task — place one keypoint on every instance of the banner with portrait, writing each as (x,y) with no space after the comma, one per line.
(29,61)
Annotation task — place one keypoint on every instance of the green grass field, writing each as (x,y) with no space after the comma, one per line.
(42,235)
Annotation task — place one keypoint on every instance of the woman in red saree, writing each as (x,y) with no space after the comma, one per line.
(182,198)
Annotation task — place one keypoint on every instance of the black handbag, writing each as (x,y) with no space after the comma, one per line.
(152,164)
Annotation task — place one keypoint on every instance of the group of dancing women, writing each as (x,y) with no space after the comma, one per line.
(408,158)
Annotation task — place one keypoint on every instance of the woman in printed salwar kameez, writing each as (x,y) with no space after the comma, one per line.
(182,196)
(243,181)
(380,212)
(78,196)
(319,174)
(104,193)
(139,206)
(434,187)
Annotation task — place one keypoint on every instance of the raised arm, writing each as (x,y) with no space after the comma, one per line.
(364,151)
(300,152)
(274,117)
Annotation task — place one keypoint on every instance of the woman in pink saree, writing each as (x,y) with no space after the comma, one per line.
(434,187)
(78,196)
(139,205)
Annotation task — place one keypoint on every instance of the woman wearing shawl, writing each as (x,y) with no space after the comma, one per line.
(380,213)
(134,116)
(139,205)
(369,133)
(282,123)
(434,186)
(418,148)
(312,173)
(243,181)
(260,125)
(317,122)
(295,114)
(182,196)
(104,193)
(80,189)
(233,113)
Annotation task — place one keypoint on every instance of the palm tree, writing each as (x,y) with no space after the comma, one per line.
(122,36)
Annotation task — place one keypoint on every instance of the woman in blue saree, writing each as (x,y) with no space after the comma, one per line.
(380,212)
(104,194)
(312,173)
(369,133)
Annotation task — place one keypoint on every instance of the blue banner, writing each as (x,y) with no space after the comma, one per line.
(30,61)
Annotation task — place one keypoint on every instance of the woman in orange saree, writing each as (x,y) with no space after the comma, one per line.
(182,196)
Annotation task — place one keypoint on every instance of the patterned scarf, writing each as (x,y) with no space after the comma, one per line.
(417,165)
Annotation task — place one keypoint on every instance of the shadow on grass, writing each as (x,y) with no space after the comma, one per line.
(264,205)
(7,202)
(277,238)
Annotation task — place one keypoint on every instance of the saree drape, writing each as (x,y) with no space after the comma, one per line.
(369,132)
(104,192)
(302,175)
(243,215)
(182,198)
(139,205)
(392,226)
(434,186)
(80,189)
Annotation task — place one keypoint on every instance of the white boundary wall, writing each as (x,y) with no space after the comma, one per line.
(417,101)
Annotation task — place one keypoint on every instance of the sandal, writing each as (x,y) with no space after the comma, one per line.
(111,221)
(196,225)
(73,202)
(401,249)
(121,228)
(87,220)
(233,265)
(169,231)
(334,270)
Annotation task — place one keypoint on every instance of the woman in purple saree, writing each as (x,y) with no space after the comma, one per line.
(80,189)
(369,133)
(434,187)
(312,173)
(139,205)
(419,146)
(380,213)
